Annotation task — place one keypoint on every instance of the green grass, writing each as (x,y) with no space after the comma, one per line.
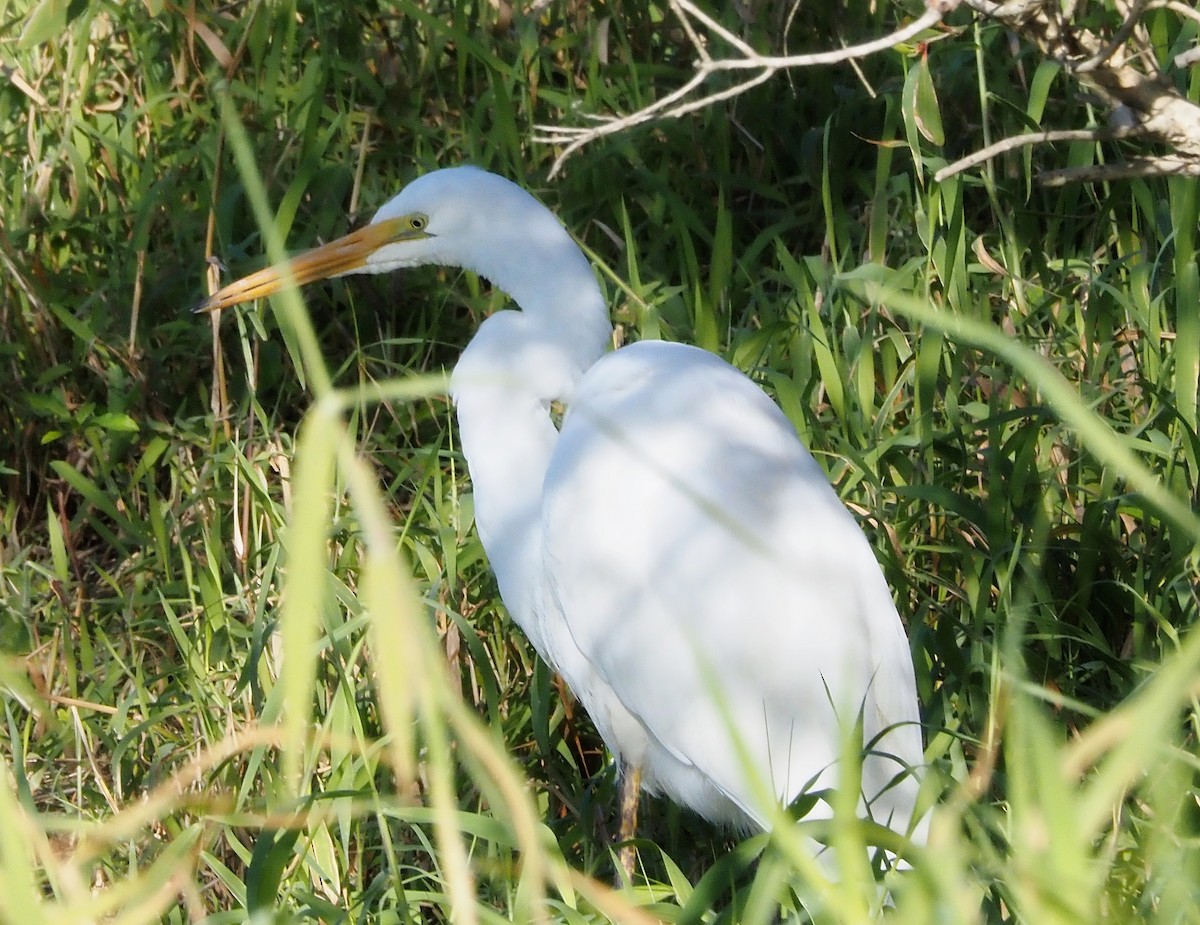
(254,665)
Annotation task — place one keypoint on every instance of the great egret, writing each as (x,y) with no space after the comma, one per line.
(672,550)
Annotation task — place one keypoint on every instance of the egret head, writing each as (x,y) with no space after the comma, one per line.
(458,216)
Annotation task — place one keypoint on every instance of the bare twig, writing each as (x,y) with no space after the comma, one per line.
(1119,66)
(1160,109)
(1017,10)
(1034,138)
(1131,169)
(1120,37)
(1175,6)
(680,102)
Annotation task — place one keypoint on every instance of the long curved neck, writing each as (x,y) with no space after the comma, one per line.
(515,367)
(507,441)
(543,270)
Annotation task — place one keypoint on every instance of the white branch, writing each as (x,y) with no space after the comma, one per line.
(1119,38)
(1126,76)
(677,102)
(1175,6)
(1137,167)
(1115,67)
(1033,138)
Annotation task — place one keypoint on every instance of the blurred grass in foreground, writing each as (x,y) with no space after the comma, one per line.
(235,692)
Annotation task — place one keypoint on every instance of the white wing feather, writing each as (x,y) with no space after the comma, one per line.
(706,578)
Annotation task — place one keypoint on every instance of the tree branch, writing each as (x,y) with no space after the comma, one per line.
(1131,169)
(677,103)
(1118,65)
(1105,67)
(1035,138)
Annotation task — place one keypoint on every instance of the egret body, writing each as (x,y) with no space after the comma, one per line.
(672,550)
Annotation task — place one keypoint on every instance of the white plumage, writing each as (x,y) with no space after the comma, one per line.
(674,552)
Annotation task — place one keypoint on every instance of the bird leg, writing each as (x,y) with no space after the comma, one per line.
(631,788)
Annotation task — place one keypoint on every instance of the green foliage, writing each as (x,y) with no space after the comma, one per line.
(234,694)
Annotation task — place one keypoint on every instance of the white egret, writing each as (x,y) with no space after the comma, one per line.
(672,550)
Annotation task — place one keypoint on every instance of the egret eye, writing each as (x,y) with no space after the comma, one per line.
(418,222)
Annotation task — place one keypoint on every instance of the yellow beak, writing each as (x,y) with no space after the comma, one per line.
(345,255)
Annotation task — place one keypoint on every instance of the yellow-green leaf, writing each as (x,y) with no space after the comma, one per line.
(47,20)
(926,111)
